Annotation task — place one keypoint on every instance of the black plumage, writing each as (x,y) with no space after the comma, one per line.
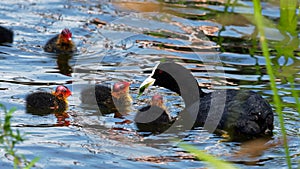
(243,114)
(153,118)
(6,35)
(109,100)
(246,114)
(43,103)
(61,43)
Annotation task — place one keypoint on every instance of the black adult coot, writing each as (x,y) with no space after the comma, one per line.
(115,100)
(243,114)
(153,118)
(6,35)
(61,43)
(43,103)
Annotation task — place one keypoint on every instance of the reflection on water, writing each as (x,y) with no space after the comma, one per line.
(124,44)
(63,64)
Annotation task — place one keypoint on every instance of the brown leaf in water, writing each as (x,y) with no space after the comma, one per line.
(255,148)
(209,30)
(175,47)
(98,22)
(140,6)
(164,159)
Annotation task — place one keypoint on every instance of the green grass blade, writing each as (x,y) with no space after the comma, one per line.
(32,162)
(213,161)
(294,93)
(288,16)
(260,26)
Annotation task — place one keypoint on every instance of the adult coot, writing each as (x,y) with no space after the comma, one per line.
(43,103)
(154,117)
(61,43)
(115,100)
(6,35)
(242,114)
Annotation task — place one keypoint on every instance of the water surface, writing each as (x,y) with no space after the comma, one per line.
(135,37)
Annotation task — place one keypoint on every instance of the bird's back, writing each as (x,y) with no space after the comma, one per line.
(51,45)
(6,35)
(245,113)
(42,103)
(99,95)
(152,119)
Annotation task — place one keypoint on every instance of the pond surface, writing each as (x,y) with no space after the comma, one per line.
(130,39)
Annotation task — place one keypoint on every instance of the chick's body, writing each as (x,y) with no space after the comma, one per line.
(61,43)
(42,103)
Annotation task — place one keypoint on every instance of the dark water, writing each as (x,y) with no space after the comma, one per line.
(129,44)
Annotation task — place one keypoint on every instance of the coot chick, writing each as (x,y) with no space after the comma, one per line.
(243,114)
(6,35)
(43,103)
(153,118)
(115,100)
(61,43)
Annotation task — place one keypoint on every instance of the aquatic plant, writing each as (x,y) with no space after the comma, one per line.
(9,138)
(287,27)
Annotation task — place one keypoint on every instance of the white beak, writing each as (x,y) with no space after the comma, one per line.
(146,83)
